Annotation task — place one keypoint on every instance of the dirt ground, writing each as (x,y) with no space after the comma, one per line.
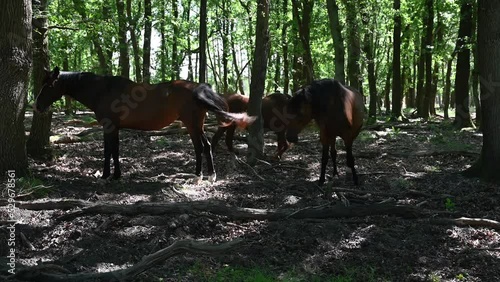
(421,157)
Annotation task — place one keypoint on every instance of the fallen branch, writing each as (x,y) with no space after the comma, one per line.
(46,272)
(48,205)
(466,221)
(238,213)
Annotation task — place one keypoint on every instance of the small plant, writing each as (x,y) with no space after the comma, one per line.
(33,186)
(400,183)
(460,277)
(449,205)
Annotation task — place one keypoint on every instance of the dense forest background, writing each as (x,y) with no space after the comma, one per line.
(400,54)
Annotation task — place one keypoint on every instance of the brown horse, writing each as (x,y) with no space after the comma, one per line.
(121,103)
(337,110)
(273,115)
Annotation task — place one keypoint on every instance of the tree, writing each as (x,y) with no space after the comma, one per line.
(429,37)
(203,41)
(462,114)
(124,62)
(132,28)
(397,95)
(259,69)
(353,45)
(303,64)
(146,60)
(15,64)
(488,36)
(338,41)
(39,136)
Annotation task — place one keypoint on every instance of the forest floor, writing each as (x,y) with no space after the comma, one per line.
(416,164)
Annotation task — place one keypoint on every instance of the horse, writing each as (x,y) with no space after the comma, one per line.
(119,103)
(273,115)
(338,111)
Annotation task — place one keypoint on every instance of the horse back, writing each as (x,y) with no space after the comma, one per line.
(237,103)
(273,111)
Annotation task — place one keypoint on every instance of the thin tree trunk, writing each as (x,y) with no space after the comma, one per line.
(132,27)
(396,65)
(225,45)
(284,47)
(175,56)
(421,77)
(488,36)
(304,59)
(203,41)
(38,139)
(338,41)
(475,70)
(123,60)
(146,48)
(447,87)
(262,44)
(428,58)
(387,87)
(187,13)
(238,82)
(15,64)
(163,44)
(462,114)
(353,45)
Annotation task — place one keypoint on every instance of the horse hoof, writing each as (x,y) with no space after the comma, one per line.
(212,177)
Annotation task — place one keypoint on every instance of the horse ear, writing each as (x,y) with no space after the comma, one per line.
(55,73)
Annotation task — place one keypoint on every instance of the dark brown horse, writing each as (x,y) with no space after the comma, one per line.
(273,115)
(337,110)
(121,103)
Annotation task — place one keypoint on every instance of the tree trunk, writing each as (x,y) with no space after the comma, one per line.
(238,82)
(338,41)
(146,48)
(284,42)
(225,44)
(304,63)
(203,41)
(132,26)
(421,77)
(15,64)
(428,59)
(187,13)
(396,65)
(387,87)
(257,84)
(475,70)
(462,114)
(447,87)
(163,44)
(38,139)
(488,36)
(175,56)
(353,45)
(123,60)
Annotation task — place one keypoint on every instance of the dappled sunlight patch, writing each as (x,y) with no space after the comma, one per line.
(480,238)
(107,267)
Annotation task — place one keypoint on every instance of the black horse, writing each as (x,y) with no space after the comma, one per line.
(337,110)
(121,103)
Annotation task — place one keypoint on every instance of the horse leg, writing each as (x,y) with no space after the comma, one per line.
(350,162)
(217,136)
(198,149)
(230,137)
(324,162)
(282,144)
(107,156)
(333,154)
(115,149)
(207,150)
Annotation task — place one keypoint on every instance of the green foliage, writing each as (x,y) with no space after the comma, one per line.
(33,186)
(449,205)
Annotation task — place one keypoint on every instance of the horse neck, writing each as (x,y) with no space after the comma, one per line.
(78,88)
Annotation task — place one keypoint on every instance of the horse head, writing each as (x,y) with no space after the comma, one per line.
(51,91)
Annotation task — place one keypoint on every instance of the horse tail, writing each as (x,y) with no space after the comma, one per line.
(216,104)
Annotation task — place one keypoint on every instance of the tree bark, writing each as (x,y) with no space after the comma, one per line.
(38,139)
(175,54)
(203,42)
(123,60)
(447,87)
(397,94)
(421,77)
(387,87)
(338,41)
(304,64)
(15,64)
(132,27)
(428,58)
(488,36)
(257,84)
(353,45)
(462,113)
(475,71)
(284,42)
(146,60)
